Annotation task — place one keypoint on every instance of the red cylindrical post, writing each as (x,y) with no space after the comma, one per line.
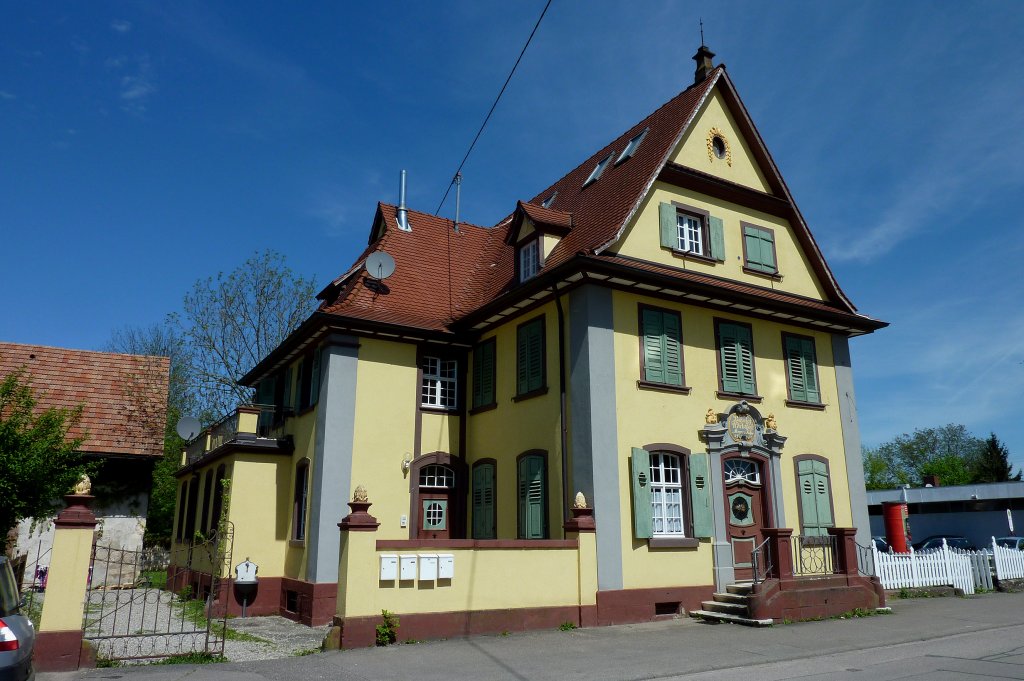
(897,531)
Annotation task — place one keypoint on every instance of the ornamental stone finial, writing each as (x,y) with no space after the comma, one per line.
(83,486)
(360,495)
(770,423)
(580,501)
(711,417)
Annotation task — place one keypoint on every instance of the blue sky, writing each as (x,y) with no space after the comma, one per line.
(145,145)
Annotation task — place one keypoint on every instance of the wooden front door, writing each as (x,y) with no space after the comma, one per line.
(744,511)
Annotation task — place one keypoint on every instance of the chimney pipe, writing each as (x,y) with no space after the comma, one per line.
(704,63)
(403,214)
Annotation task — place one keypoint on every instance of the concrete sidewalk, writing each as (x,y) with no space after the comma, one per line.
(659,650)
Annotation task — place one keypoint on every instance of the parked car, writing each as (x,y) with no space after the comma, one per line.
(1011,542)
(17,635)
(882,544)
(952,541)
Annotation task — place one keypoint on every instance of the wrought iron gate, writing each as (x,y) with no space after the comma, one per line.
(141,606)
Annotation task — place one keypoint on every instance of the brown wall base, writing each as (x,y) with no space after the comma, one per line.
(805,599)
(57,651)
(641,605)
(308,603)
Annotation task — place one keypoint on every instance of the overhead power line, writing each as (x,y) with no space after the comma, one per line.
(496,100)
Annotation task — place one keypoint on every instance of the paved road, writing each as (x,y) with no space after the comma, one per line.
(941,638)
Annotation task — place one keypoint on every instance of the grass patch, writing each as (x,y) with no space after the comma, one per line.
(156,579)
(192,658)
(566,626)
(194,611)
(106,663)
(307,651)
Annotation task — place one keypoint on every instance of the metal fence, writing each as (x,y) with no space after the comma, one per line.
(814,556)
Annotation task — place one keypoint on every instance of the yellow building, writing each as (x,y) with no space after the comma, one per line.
(657,330)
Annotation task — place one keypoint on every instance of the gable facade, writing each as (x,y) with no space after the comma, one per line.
(677,382)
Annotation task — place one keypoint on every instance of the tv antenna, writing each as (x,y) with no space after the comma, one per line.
(188,428)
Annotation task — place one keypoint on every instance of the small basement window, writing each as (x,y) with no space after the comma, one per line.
(631,147)
(598,169)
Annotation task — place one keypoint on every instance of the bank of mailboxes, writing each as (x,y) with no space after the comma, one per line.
(432,566)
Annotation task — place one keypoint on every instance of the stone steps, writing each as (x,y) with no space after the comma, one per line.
(731,605)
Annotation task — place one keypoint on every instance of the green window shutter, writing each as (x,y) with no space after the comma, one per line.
(737,359)
(532,497)
(314,386)
(641,473)
(760,249)
(530,357)
(654,345)
(288,388)
(808,502)
(673,348)
(483,501)
(700,496)
(801,369)
(717,231)
(483,374)
(669,225)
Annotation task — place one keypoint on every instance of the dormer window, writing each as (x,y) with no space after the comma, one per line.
(548,201)
(631,147)
(598,169)
(528,259)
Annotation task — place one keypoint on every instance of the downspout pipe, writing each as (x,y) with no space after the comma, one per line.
(563,426)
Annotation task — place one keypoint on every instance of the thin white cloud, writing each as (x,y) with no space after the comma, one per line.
(137,87)
(7,95)
(120,26)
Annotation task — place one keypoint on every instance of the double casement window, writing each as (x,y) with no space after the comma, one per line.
(692,231)
(439,386)
(533,502)
(528,259)
(309,381)
(661,346)
(736,358)
(484,516)
(484,373)
(671,494)
(801,369)
(759,249)
(530,367)
(815,495)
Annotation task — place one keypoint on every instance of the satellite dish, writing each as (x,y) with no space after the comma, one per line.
(380,265)
(188,427)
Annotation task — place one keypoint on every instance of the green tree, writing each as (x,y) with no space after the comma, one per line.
(39,460)
(161,340)
(949,452)
(994,463)
(230,322)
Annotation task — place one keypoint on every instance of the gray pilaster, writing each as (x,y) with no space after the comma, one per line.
(851,437)
(332,462)
(725,573)
(594,437)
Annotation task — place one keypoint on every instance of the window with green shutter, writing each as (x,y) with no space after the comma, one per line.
(532,484)
(484,525)
(801,368)
(661,343)
(484,374)
(815,496)
(759,249)
(530,356)
(736,358)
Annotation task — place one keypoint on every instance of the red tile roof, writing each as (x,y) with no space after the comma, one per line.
(442,276)
(124,396)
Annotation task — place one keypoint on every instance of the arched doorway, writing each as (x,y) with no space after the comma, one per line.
(437,487)
(747,508)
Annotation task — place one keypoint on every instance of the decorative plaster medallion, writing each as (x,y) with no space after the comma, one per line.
(742,427)
(718,146)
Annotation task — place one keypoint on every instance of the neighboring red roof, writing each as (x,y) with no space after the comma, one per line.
(547,216)
(124,396)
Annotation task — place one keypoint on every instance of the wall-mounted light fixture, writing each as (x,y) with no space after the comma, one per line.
(406,463)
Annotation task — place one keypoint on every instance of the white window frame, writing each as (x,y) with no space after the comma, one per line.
(666,493)
(529,259)
(440,383)
(631,147)
(598,170)
(742,470)
(691,233)
(436,476)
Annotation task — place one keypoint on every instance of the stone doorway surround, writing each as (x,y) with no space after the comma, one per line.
(741,430)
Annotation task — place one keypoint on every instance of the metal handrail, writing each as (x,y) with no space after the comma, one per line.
(761,557)
(814,556)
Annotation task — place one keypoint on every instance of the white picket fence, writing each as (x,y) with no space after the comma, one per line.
(942,567)
(1009,562)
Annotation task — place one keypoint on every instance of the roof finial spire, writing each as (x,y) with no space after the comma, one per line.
(701,19)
